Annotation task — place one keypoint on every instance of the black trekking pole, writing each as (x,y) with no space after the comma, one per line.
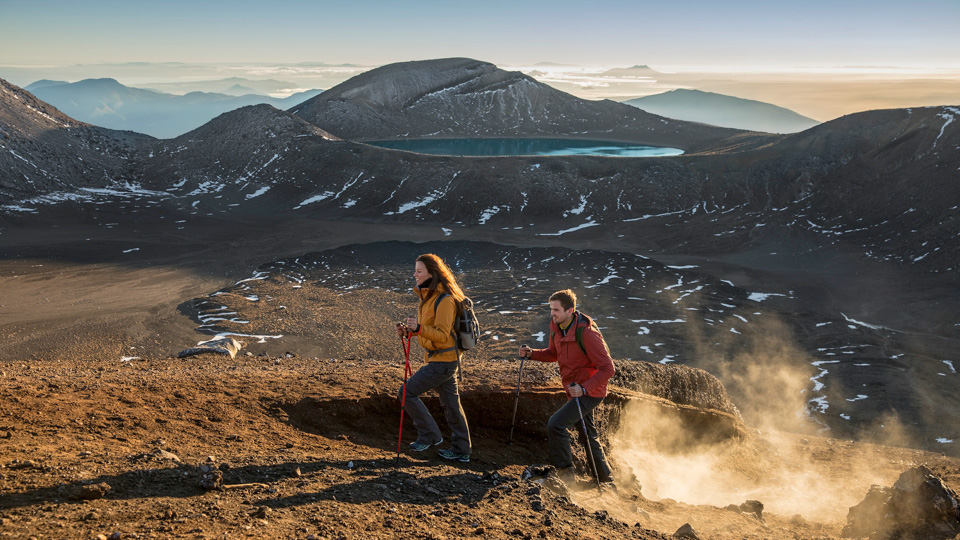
(516,400)
(405,341)
(587,435)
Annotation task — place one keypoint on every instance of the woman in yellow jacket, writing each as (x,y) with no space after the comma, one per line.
(434,330)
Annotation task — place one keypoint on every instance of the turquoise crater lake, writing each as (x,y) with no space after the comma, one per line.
(524,147)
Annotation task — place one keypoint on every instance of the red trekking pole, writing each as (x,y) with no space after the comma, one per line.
(405,341)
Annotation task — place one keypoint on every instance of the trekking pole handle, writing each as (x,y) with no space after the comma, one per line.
(521,351)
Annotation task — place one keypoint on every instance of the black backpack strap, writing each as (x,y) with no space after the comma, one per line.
(437,303)
(453,330)
(579,333)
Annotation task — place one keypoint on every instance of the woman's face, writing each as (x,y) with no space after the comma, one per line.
(420,273)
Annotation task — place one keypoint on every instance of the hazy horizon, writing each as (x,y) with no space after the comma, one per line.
(821,59)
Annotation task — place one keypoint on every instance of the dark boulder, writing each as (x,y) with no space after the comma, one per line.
(918,506)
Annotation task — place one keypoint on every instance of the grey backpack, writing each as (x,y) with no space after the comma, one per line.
(466,327)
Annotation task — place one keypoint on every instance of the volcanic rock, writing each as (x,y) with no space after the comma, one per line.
(686,531)
(224,346)
(91,492)
(918,506)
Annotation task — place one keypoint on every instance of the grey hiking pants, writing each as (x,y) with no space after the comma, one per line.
(443,377)
(558,438)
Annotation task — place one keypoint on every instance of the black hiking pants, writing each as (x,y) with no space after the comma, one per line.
(558,436)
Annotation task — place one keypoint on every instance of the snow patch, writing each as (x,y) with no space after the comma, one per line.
(565,231)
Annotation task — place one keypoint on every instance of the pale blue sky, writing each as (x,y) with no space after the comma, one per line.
(816,33)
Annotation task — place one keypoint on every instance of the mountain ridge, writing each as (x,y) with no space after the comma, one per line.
(462,97)
(722,110)
(109,103)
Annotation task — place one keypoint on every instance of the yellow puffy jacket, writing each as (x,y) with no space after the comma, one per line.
(435,332)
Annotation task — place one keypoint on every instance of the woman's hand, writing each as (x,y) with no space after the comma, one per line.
(412,324)
(525,351)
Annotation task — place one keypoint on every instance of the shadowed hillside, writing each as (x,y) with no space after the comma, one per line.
(459,97)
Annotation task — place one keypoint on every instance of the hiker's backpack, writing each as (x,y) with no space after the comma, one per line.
(466,327)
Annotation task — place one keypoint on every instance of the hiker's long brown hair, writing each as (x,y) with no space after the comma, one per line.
(441,273)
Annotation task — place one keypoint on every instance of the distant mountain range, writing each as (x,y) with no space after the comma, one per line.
(882,181)
(632,71)
(725,111)
(234,86)
(107,103)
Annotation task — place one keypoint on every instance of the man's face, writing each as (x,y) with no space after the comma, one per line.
(559,315)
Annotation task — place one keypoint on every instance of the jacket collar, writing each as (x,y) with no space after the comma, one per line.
(426,293)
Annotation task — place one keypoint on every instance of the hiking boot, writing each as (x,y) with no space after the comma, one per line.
(417,446)
(567,475)
(453,455)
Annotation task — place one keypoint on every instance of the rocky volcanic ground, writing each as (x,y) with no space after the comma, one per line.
(104,432)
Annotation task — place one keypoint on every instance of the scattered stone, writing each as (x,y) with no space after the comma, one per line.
(733,508)
(211,477)
(86,453)
(493,477)
(101,537)
(753,507)
(115,536)
(248,353)
(91,492)
(261,512)
(25,464)
(290,355)
(162,455)
(601,515)
(479,531)
(686,531)
(92,516)
(297,473)
(225,346)
(537,471)
(798,520)
(918,505)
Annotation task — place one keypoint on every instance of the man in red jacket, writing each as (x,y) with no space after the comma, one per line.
(585,368)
